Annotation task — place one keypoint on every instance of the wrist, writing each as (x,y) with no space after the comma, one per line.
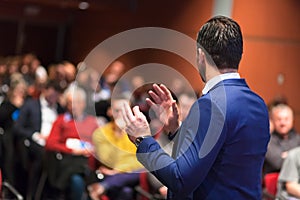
(172,130)
(138,140)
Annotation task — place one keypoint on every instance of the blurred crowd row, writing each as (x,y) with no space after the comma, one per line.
(60,132)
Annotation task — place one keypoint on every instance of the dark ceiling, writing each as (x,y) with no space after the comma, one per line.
(58,10)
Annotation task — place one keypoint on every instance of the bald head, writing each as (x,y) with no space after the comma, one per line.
(282,118)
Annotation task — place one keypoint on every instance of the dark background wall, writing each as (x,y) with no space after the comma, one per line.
(57,30)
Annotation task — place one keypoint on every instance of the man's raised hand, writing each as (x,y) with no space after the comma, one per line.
(164,106)
(136,122)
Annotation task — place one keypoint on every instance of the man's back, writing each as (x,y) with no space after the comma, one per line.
(220,147)
(219,150)
(236,172)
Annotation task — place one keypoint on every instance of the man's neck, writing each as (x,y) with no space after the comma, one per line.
(213,72)
(228,70)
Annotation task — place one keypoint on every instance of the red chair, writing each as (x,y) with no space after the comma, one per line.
(104,197)
(143,188)
(270,182)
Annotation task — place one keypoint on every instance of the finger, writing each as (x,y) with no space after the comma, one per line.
(158,90)
(175,109)
(152,105)
(166,91)
(155,97)
(127,113)
(136,111)
(150,102)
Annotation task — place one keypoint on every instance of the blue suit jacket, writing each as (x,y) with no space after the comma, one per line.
(219,149)
(30,118)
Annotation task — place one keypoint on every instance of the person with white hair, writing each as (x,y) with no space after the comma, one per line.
(71,147)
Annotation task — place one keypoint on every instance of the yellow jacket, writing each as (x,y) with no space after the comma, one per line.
(115,151)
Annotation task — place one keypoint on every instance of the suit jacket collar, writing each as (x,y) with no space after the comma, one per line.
(228,82)
(217,79)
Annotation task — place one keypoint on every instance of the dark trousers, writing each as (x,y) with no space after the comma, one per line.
(7,149)
(121,186)
(31,159)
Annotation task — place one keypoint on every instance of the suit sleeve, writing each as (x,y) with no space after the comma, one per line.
(23,126)
(197,147)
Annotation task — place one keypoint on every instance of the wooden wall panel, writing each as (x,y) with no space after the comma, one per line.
(272,44)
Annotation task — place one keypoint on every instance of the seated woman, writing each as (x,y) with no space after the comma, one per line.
(119,167)
(70,139)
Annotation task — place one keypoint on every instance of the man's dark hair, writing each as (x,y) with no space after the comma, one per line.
(55,85)
(221,38)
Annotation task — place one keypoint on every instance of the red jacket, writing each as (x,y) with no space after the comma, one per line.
(66,127)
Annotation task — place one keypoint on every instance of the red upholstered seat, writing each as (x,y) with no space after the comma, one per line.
(270,182)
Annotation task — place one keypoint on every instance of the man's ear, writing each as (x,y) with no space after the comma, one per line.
(201,56)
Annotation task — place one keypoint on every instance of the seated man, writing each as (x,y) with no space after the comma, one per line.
(283,138)
(119,166)
(31,129)
(289,178)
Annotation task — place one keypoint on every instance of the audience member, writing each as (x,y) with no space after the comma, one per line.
(116,154)
(70,73)
(64,73)
(32,128)
(13,65)
(177,86)
(30,63)
(70,139)
(9,66)
(112,77)
(276,101)
(283,138)
(56,73)
(9,112)
(94,91)
(289,178)
(3,79)
(41,79)
(137,81)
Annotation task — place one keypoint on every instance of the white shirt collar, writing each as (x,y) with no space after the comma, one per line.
(43,101)
(215,80)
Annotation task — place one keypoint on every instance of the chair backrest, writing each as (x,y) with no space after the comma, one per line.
(270,181)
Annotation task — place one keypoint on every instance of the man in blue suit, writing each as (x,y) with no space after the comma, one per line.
(220,147)
(32,129)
